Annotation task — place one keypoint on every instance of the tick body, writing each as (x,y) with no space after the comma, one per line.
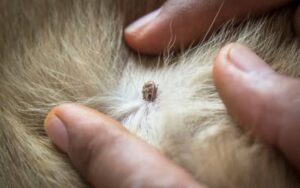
(149,91)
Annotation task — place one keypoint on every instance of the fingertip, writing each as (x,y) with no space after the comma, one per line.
(58,122)
(237,62)
(56,130)
(223,70)
(161,31)
(221,59)
(138,26)
(145,35)
(152,41)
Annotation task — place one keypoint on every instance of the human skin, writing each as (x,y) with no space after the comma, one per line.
(238,73)
(272,107)
(184,22)
(102,150)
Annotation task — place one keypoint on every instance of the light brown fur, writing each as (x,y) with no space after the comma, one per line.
(58,51)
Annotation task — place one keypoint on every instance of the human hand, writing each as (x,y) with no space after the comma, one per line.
(107,155)
(259,99)
(267,110)
(184,22)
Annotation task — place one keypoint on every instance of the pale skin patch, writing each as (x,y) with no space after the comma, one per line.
(149,91)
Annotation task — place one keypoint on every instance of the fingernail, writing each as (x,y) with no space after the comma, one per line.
(245,59)
(141,23)
(56,131)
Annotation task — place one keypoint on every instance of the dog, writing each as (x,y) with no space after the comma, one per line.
(61,51)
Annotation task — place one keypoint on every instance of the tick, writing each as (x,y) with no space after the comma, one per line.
(149,91)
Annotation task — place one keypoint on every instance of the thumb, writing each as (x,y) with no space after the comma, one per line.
(106,154)
(259,99)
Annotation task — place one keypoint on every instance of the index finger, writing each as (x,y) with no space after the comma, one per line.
(179,23)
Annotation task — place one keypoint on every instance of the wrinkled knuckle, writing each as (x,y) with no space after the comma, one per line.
(85,156)
(91,144)
(92,153)
(84,144)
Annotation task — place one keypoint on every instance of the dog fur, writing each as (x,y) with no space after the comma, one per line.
(60,51)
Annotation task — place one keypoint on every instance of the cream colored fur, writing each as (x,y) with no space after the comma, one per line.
(59,51)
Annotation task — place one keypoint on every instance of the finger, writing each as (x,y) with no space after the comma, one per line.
(107,155)
(260,99)
(187,21)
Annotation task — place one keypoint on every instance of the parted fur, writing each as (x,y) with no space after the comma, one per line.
(60,51)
